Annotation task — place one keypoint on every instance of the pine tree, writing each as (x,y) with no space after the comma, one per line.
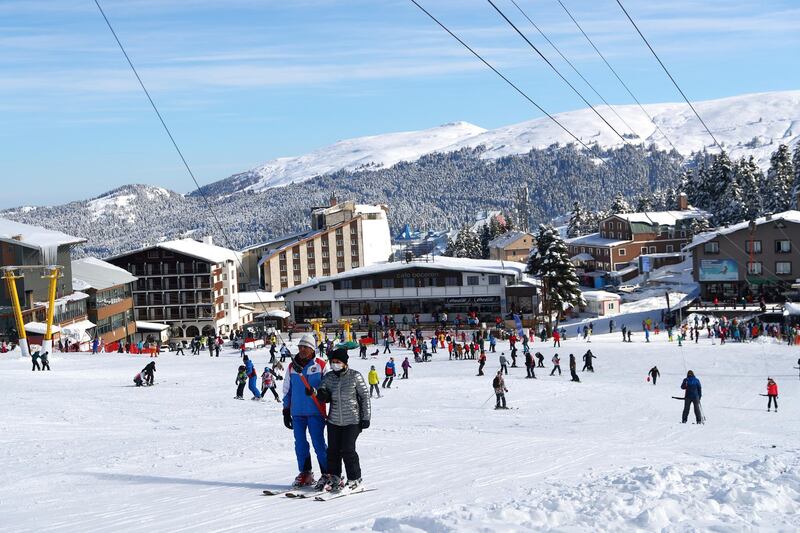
(467,244)
(697,226)
(780,178)
(749,177)
(718,179)
(732,208)
(644,203)
(619,205)
(486,237)
(796,182)
(550,262)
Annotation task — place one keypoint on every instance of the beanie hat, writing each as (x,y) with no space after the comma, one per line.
(340,354)
(308,341)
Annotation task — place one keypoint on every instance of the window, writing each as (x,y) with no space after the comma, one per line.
(494,280)
(644,249)
(325,253)
(340,265)
(296,255)
(152,254)
(670,248)
(473,280)
(652,249)
(583,249)
(408,283)
(366,283)
(283,279)
(783,247)
(296,267)
(323,287)
(783,267)
(451,281)
(755,245)
(355,264)
(611,305)
(387,284)
(754,268)
(347,283)
(711,247)
(296,278)
(283,267)
(621,252)
(324,242)
(310,255)
(683,233)
(340,253)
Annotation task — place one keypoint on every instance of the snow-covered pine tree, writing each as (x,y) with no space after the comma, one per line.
(577,221)
(644,203)
(549,261)
(749,177)
(731,208)
(796,182)
(619,205)
(780,178)
(697,225)
(718,178)
(467,244)
(486,237)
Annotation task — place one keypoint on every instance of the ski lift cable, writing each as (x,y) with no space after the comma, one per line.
(573,67)
(675,83)
(500,74)
(619,78)
(565,80)
(174,143)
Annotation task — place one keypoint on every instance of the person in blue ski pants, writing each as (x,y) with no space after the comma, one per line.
(252,377)
(301,413)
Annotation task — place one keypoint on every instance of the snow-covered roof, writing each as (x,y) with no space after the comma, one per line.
(40,328)
(455,264)
(74,297)
(199,250)
(256,297)
(34,236)
(662,218)
(593,239)
(292,236)
(501,241)
(94,273)
(150,326)
(788,216)
(582,257)
(600,295)
(80,325)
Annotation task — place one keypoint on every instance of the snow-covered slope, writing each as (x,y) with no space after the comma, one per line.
(751,124)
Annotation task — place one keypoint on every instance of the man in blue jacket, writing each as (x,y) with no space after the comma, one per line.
(302,412)
(693,393)
(252,377)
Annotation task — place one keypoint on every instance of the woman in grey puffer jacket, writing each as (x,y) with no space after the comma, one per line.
(350,412)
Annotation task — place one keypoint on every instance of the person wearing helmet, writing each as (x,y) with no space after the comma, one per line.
(302,413)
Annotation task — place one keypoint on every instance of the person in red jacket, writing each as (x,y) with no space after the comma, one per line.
(772,394)
(556,338)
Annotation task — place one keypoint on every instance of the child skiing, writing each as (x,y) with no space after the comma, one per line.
(772,394)
(500,390)
(556,365)
(241,381)
(268,383)
(373,380)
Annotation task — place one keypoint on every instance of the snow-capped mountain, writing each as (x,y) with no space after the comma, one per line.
(752,124)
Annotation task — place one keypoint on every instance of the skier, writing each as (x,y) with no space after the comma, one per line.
(694,392)
(529,365)
(481,363)
(45,361)
(272,353)
(179,348)
(405,365)
(556,338)
(285,352)
(654,374)
(611,326)
(572,369)
(389,373)
(386,347)
(35,360)
(556,365)
(540,359)
(350,413)
(503,363)
(241,381)
(373,380)
(147,372)
(513,357)
(362,350)
(301,412)
(772,394)
(587,361)
(252,377)
(95,346)
(268,383)
(500,390)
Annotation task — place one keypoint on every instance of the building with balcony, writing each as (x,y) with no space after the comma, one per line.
(110,302)
(343,236)
(511,246)
(187,284)
(427,288)
(748,260)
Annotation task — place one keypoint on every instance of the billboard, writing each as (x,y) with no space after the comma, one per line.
(718,270)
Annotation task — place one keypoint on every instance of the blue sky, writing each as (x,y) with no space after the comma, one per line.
(244,81)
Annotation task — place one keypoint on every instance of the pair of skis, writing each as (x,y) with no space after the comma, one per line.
(319,496)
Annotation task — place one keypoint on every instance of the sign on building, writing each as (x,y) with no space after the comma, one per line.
(718,270)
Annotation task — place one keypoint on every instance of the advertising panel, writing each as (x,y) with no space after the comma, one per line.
(718,270)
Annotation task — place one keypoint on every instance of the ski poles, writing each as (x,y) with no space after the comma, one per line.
(487,400)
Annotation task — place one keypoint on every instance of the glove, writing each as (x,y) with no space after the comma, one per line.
(310,391)
(364,424)
(287,419)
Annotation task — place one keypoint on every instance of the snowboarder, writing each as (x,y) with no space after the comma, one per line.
(654,374)
(45,361)
(350,413)
(772,394)
(147,372)
(694,392)
(503,363)
(241,381)
(587,361)
(389,372)
(481,363)
(302,412)
(529,366)
(405,365)
(572,369)
(500,390)
(268,383)
(252,377)
(373,380)
(556,365)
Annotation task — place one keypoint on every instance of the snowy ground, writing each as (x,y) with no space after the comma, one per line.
(83,450)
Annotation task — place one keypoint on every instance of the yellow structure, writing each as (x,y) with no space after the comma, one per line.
(347,325)
(11,277)
(317,323)
(53,276)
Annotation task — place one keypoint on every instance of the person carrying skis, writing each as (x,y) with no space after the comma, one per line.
(529,366)
(303,413)
(587,361)
(241,381)
(405,365)
(147,372)
(252,377)
(503,363)
(481,363)
(556,365)
(692,396)
(350,413)
(500,390)
(572,369)
(268,383)
(373,380)
(389,372)
(654,374)
(772,394)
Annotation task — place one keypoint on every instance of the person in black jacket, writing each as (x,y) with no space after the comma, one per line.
(693,394)
(572,369)
(654,374)
(540,359)
(587,361)
(529,365)
(147,372)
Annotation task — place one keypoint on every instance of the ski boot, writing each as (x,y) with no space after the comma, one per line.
(354,484)
(322,482)
(335,484)
(303,479)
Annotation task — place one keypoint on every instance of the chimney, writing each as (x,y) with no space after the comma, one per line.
(208,239)
(17,237)
(333,200)
(683,202)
